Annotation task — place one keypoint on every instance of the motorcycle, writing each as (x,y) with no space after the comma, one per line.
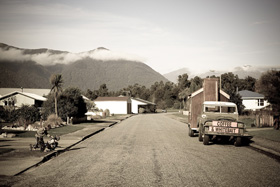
(50,144)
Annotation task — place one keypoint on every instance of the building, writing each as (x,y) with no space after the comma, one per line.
(124,105)
(252,100)
(17,99)
(209,92)
(137,103)
(116,105)
(37,91)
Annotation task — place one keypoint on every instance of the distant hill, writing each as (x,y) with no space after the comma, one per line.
(32,68)
(242,72)
(173,76)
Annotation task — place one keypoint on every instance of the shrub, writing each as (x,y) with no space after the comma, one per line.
(177,105)
(53,121)
(142,110)
(107,112)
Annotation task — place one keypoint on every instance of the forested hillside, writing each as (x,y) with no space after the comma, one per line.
(31,68)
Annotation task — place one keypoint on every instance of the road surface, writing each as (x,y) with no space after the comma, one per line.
(153,150)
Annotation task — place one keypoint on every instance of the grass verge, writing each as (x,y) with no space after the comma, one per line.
(268,133)
(56,131)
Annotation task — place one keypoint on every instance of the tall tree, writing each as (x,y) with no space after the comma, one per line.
(56,82)
(70,104)
(196,83)
(268,84)
(230,86)
(247,84)
(183,81)
(103,90)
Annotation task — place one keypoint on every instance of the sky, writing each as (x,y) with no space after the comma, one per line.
(201,35)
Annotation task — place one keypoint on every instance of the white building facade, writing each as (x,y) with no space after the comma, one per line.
(116,105)
(252,100)
(17,99)
(137,103)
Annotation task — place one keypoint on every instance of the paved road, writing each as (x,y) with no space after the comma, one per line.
(153,150)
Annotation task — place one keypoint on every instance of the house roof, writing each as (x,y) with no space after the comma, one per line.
(112,99)
(143,101)
(202,89)
(246,94)
(219,103)
(37,91)
(30,95)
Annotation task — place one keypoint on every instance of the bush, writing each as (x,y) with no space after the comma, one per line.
(177,105)
(107,112)
(53,121)
(142,110)
(25,115)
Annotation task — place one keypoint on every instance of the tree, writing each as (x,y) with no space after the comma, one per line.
(247,84)
(70,104)
(183,81)
(91,94)
(183,96)
(268,85)
(196,83)
(103,90)
(27,114)
(230,86)
(56,82)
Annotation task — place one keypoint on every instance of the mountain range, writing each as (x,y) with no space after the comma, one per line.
(242,73)
(32,68)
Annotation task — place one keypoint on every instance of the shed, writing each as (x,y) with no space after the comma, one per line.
(138,103)
(116,105)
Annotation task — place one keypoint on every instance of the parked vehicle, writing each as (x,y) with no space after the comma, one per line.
(209,92)
(219,120)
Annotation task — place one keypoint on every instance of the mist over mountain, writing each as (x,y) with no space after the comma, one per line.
(32,68)
(242,72)
(173,76)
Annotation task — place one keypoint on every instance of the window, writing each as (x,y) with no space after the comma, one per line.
(212,109)
(260,102)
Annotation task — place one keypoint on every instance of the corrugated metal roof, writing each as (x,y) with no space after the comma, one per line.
(249,94)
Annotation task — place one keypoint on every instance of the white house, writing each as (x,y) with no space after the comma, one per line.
(116,105)
(252,100)
(137,103)
(17,99)
(37,91)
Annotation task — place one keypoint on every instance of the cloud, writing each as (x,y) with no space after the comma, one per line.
(49,58)
(13,55)
(105,55)
(260,22)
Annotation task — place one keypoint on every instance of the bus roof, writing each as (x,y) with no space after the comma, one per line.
(219,103)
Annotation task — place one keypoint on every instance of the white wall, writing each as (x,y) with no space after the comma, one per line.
(253,104)
(115,107)
(20,99)
(134,105)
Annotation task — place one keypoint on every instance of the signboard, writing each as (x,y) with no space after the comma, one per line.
(224,127)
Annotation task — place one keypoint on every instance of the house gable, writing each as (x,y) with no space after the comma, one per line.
(253,100)
(19,98)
